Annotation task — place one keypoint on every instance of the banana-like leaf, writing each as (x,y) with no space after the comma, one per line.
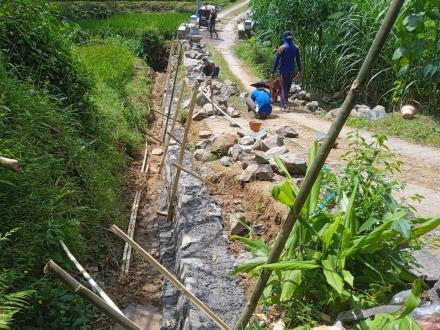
(403,227)
(350,220)
(290,265)
(256,246)
(333,278)
(282,167)
(331,230)
(367,225)
(249,265)
(424,228)
(291,281)
(348,278)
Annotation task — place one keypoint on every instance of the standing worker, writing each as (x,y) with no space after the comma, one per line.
(211,22)
(285,58)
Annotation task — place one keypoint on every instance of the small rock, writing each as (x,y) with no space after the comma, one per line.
(295,165)
(235,151)
(333,113)
(223,100)
(226,161)
(199,115)
(247,149)
(326,99)
(276,151)
(294,89)
(203,144)
(428,265)
(252,159)
(320,111)
(209,109)
(257,171)
(261,135)
(243,95)
(400,297)
(222,143)
(241,134)
(233,125)
(312,106)
(205,134)
(269,143)
(201,155)
(201,100)
(236,222)
(157,151)
(308,97)
(233,113)
(302,103)
(247,141)
(302,95)
(258,229)
(288,132)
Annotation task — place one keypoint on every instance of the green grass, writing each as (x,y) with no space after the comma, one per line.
(422,129)
(135,24)
(258,59)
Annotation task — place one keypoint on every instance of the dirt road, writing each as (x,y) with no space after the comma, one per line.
(421,163)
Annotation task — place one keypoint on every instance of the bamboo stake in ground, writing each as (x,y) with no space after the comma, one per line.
(182,150)
(173,42)
(76,287)
(89,279)
(320,159)
(176,73)
(173,124)
(127,248)
(191,173)
(114,229)
(11,164)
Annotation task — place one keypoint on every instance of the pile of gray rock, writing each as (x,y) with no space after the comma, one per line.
(255,152)
(362,111)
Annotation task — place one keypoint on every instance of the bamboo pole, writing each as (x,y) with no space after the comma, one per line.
(89,279)
(173,124)
(76,287)
(114,229)
(174,138)
(144,162)
(11,164)
(154,138)
(127,248)
(179,59)
(191,173)
(321,157)
(182,150)
(158,112)
(170,56)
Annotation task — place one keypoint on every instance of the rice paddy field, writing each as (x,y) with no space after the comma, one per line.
(134,24)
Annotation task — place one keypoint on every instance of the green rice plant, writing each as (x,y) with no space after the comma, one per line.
(339,254)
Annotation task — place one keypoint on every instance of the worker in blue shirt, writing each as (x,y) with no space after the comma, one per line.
(259,101)
(286,57)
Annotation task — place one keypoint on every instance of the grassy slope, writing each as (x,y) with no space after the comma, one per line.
(72,182)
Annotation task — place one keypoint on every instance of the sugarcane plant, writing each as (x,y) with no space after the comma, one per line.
(346,249)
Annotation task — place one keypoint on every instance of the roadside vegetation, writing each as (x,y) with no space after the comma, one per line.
(334,37)
(345,250)
(73,115)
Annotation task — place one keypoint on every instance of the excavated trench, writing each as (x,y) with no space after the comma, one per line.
(194,247)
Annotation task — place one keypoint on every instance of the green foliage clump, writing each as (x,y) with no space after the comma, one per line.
(35,47)
(345,248)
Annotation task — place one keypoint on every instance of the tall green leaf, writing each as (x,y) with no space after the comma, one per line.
(333,278)
(291,281)
(290,265)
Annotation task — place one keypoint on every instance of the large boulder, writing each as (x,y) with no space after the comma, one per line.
(287,131)
(222,143)
(269,143)
(201,155)
(208,109)
(257,171)
(294,164)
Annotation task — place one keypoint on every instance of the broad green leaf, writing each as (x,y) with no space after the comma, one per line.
(348,278)
(291,281)
(426,227)
(282,167)
(328,234)
(399,53)
(367,225)
(249,265)
(333,278)
(291,265)
(255,246)
(412,22)
(403,227)
(350,220)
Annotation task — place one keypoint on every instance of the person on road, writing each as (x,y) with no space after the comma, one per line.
(211,22)
(209,68)
(259,101)
(286,57)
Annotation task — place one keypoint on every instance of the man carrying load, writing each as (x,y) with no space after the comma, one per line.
(286,57)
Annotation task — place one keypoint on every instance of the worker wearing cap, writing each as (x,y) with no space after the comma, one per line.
(286,57)
(259,101)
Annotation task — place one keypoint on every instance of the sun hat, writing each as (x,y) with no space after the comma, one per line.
(260,84)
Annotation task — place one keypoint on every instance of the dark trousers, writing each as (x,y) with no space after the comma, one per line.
(211,29)
(286,82)
(253,107)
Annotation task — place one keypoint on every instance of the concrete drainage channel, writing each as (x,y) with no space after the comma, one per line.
(193,246)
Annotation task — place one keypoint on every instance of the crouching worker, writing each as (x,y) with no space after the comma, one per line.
(259,101)
(209,68)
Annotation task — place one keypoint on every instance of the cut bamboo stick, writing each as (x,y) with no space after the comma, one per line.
(182,151)
(144,162)
(162,213)
(191,173)
(11,164)
(323,152)
(154,138)
(89,279)
(76,287)
(173,124)
(168,67)
(126,257)
(114,229)
(158,112)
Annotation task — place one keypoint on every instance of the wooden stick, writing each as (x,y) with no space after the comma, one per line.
(173,124)
(11,164)
(174,138)
(114,229)
(89,279)
(191,173)
(143,169)
(182,150)
(320,159)
(76,287)
(158,112)
(127,248)
(168,68)
(154,138)
(162,213)
(179,59)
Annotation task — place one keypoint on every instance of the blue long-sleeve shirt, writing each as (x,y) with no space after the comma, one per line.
(286,57)
(262,99)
